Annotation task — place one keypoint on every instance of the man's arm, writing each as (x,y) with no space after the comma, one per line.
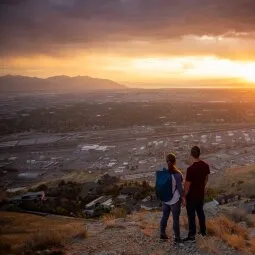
(206,180)
(187,184)
(185,192)
(186,188)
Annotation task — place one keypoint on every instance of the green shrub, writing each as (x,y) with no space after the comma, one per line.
(61,211)
(5,247)
(41,187)
(13,208)
(119,212)
(62,183)
(210,194)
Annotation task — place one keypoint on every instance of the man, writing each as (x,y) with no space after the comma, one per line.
(194,192)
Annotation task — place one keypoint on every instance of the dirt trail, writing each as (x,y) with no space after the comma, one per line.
(136,235)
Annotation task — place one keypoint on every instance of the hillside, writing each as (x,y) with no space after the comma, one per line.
(10,83)
(238,180)
(136,234)
(28,233)
(230,226)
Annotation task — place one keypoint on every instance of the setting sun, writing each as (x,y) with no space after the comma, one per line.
(249,75)
(195,67)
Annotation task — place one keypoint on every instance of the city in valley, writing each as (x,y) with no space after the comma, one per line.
(50,136)
(91,158)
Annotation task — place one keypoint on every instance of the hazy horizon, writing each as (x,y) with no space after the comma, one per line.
(201,84)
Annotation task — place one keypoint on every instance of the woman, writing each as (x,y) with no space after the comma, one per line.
(174,205)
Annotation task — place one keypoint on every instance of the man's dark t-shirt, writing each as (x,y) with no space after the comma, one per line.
(196,174)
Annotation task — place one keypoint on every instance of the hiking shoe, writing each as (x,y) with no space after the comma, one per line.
(189,239)
(163,237)
(178,241)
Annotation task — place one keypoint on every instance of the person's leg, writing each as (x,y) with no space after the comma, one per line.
(176,210)
(201,217)
(191,218)
(163,223)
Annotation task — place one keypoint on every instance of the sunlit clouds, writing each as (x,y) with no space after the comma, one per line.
(145,43)
(190,67)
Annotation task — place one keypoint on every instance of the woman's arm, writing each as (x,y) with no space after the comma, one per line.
(178,179)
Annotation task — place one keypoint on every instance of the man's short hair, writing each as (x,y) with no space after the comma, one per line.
(195,152)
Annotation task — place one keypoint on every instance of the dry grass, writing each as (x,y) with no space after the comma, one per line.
(110,218)
(35,231)
(252,244)
(222,224)
(44,240)
(236,241)
(250,220)
(110,221)
(147,231)
(225,229)
(209,244)
(239,215)
(240,180)
(184,222)
(138,216)
(160,252)
(149,223)
(148,226)
(78,231)
(116,226)
(228,231)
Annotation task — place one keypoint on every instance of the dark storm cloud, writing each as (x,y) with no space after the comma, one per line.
(10,2)
(36,26)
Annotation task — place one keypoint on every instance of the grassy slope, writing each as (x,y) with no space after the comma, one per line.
(240,180)
(17,229)
(136,233)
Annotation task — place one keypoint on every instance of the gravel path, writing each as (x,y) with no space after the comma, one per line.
(137,235)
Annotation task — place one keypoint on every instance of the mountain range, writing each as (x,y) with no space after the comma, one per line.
(17,83)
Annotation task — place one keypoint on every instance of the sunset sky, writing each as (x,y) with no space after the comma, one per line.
(141,43)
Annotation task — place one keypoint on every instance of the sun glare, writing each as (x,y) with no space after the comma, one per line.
(249,75)
(200,67)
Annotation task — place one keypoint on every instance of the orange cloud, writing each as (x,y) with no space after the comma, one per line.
(131,41)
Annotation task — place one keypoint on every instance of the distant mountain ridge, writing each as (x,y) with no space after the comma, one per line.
(17,83)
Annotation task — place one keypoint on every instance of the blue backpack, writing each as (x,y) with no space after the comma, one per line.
(164,185)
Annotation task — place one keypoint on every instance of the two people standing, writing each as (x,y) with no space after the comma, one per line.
(192,196)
